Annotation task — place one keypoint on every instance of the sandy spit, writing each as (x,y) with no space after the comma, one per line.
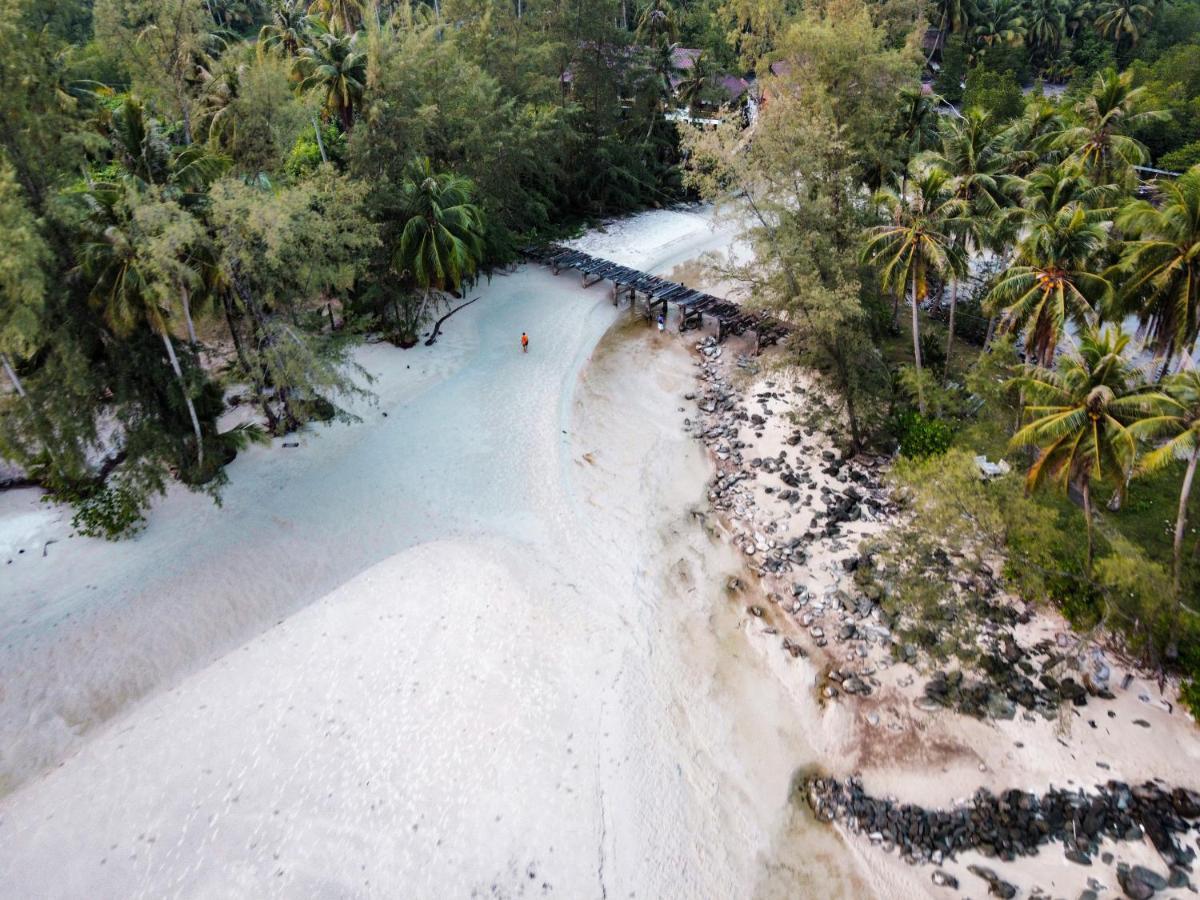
(479,646)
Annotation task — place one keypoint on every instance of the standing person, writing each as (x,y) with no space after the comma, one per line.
(662,324)
(524,342)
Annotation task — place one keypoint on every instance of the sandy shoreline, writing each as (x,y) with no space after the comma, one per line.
(874,722)
(523,635)
(530,682)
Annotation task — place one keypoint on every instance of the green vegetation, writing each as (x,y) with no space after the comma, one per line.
(1019,226)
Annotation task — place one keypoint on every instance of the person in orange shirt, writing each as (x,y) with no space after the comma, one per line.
(524,342)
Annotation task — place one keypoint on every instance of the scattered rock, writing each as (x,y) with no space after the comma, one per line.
(944,879)
(1134,887)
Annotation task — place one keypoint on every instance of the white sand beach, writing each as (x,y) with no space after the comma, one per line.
(485,643)
(475,645)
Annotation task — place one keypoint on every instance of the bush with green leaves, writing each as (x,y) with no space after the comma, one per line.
(956,527)
(305,156)
(920,436)
(1182,159)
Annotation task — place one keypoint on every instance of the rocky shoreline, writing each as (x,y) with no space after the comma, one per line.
(800,515)
(801,509)
(1017,823)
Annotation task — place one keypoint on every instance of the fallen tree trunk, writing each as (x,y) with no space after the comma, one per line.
(438,325)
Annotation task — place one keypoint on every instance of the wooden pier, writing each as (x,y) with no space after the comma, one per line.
(659,292)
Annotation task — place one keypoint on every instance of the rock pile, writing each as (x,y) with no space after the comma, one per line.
(1005,675)
(830,491)
(1016,823)
(1010,681)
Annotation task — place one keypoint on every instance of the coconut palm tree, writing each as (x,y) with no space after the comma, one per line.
(657,24)
(344,16)
(441,239)
(1046,25)
(333,65)
(1081,14)
(1124,20)
(952,15)
(696,88)
(1101,140)
(217,103)
(1182,422)
(916,128)
(1064,225)
(287,30)
(918,239)
(663,72)
(133,275)
(1053,282)
(973,155)
(1162,260)
(1084,419)
(1032,138)
(996,23)
(1051,188)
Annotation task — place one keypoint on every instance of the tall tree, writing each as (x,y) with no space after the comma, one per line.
(952,15)
(797,194)
(1102,140)
(840,49)
(22,280)
(1033,138)
(697,85)
(342,16)
(441,240)
(1084,419)
(1054,281)
(1162,260)
(287,30)
(1046,25)
(284,255)
(163,41)
(334,66)
(134,271)
(973,155)
(1124,21)
(916,128)
(996,23)
(1182,422)
(658,23)
(918,239)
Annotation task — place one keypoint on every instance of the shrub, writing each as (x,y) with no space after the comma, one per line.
(1189,665)
(1182,159)
(920,437)
(933,352)
(305,155)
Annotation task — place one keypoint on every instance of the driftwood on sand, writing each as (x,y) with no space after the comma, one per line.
(438,325)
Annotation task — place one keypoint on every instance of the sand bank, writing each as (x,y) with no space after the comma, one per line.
(477,647)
